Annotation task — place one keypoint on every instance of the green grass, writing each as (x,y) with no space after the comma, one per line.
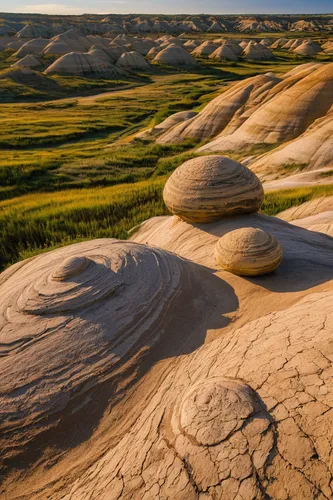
(278,201)
(34,223)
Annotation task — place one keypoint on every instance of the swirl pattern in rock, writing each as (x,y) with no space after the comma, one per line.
(213,409)
(208,188)
(70,318)
(248,251)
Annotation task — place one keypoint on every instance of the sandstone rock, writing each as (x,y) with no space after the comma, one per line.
(211,187)
(248,252)
(83,65)
(133,61)
(35,46)
(221,111)
(224,53)
(308,48)
(285,116)
(205,49)
(28,61)
(174,55)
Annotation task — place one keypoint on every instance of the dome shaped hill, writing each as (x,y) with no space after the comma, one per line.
(133,61)
(257,52)
(191,44)
(82,65)
(33,31)
(166,124)
(99,53)
(175,41)
(75,40)
(115,51)
(312,150)
(266,41)
(35,46)
(173,55)
(224,53)
(297,43)
(28,61)
(61,47)
(309,48)
(222,110)
(143,46)
(27,77)
(285,116)
(279,43)
(234,46)
(153,52)
(205,49)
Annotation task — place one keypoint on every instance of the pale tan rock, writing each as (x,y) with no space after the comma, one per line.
(285,116)
(222,110)
(308,48)
(28,61)
(224,53)
(87,64)
(248,252)
(174,55)
(205,49)
(35,46)
(210,187)
(312,150)
(133,61)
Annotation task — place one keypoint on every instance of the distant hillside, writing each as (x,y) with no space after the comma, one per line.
(21,24)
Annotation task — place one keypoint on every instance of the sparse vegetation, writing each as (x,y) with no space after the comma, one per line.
(38,222)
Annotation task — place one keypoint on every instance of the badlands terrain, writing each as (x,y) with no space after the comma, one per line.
(166,242)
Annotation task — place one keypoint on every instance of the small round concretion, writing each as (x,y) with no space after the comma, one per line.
(208,188)
(248,251)
(70,267)
(214,409)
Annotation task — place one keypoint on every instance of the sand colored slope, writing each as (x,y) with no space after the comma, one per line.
(205,49)
(224,53)
(28,61)
(321,223)
(222,110)
(35,46)
(315,215)
(82,64)
(133,61)
(302,179)
(174,55)
(308,48)
(284,117)
(312,207)
(312,150)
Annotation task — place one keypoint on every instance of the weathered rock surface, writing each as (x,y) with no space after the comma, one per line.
(285,116)
(174,55)
(210,187)
(248,252)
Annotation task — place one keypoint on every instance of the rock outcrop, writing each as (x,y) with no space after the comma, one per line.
(211,187)
(248,252)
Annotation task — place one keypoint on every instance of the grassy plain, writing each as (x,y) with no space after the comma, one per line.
(33,223)
(70,170)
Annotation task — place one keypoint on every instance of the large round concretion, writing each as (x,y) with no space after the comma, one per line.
(248,251)
(214,409)
(220,429)
(208,188)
